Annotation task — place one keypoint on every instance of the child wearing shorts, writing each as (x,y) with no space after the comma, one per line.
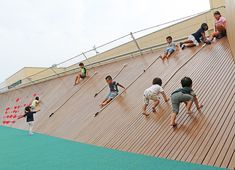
(29,118)
(186,95)
(170,49)
(152,93)
(35,103)
(196,38)
(220,26)
(82,75)
(113,86)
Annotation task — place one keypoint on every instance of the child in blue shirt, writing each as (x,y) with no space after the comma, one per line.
(170,49)
(113,86)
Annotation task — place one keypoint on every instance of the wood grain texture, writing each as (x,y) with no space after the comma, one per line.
(206,138)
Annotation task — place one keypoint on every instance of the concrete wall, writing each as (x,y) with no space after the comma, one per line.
(230,15)
(33,72)
(216,3)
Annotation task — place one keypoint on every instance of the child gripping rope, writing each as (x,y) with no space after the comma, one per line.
(113,86)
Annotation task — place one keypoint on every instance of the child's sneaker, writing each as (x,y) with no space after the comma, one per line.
(154,110)
(208,42)
(183,46)
(31,133)
(144,113)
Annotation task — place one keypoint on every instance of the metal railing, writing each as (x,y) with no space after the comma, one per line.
(70,66)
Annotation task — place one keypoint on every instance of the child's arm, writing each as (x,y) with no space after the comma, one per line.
(215,29)
(225,23)
(21,116)
(197,104)
(204,39)
(121,86)
(177,47)
(164,96)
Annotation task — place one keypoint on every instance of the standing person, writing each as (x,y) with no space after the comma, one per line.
(29,118)
(113,86)
(35,103)
(220,26)
(196,38)
(152,93)
(186,95)
(82,75)
(170,49)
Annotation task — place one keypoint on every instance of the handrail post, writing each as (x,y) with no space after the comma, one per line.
(136,43)
(95,49)
(86,58)
(54,66)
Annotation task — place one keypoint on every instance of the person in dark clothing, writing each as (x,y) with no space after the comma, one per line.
(186,95)
(113,86)
(197,37)
(29,114)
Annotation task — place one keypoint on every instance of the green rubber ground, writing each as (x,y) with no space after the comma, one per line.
(23,152)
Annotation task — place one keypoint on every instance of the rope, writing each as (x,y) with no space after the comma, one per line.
(184,65)
(113,78)
(96,114)
(72,95)
(147,69)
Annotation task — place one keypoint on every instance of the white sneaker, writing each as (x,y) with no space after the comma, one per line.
(31,133)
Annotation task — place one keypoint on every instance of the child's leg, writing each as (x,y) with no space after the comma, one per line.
(164,55)
(110,97)
(191,42)
(190,45)
(187,42)
(173,119)
(146,103)
(30,128)
(144,110)
(197,104)
(156,103)
(171,51)
(76,80)
(105,102)
(220,28)
(175,100)
(213,35)
(189,106)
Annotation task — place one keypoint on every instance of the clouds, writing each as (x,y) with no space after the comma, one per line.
(44,32)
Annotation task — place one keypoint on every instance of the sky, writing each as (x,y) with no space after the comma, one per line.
(40,33)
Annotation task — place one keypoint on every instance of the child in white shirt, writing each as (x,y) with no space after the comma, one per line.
(152,93)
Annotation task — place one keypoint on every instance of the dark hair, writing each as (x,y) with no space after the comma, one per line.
(217,13)
(204,26)
(169,37)
(37,98)
(27,109)
(186,82)
(108,77)
(81,64)
(157,81)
